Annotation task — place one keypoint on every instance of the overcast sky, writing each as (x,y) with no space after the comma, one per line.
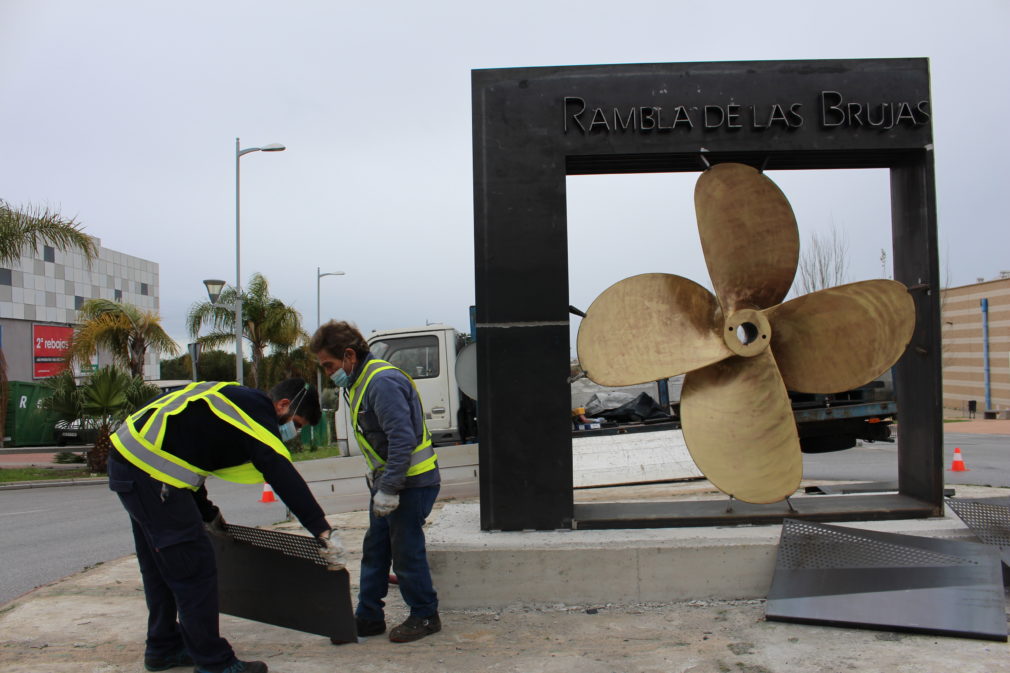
(124,115)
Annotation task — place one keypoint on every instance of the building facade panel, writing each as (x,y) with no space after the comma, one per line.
(50,287)
(965,344)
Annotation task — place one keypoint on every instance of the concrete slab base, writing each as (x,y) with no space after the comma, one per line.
(472,568)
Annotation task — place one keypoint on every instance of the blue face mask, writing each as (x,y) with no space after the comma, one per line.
(340,378)
(288,431)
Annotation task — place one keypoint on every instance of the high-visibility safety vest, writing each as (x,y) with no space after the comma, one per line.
(423,457)
(142,445)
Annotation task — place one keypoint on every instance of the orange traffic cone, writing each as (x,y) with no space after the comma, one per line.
(268,493)
(958,464)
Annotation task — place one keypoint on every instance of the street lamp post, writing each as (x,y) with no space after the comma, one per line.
(239,153)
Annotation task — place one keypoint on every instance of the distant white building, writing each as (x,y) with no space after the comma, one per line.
(41,294)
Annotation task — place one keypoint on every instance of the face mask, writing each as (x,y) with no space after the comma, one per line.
(288,431)
(340,378)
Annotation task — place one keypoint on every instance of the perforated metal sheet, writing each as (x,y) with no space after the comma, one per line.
(279,578)
(843,576)
(989,520)
(296,546)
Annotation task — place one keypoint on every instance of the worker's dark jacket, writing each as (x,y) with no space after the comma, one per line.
(202,439)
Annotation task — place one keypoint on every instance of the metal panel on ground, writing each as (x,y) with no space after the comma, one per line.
(840,576)
(989,520)
(280,579)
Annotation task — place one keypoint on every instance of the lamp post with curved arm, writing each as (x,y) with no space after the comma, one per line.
(239,153)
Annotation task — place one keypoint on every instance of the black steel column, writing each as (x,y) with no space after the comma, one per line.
(917,378)
(521,260)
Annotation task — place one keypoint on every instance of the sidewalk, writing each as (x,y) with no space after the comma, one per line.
(94,622)
(979,427)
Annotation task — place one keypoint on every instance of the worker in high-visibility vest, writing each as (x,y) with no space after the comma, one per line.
(160,458)
(403,479)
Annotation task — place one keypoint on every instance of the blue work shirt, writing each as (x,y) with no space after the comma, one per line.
(392,420)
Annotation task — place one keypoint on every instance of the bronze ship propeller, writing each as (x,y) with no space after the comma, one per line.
(741,349)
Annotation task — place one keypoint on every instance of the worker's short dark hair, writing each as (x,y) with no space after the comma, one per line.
(308,403)
(335,337)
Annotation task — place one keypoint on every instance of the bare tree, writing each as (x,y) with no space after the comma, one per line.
(824,262)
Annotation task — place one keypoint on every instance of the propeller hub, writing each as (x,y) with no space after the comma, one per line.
(747,332)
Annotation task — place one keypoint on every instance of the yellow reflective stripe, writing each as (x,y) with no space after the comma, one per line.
(371,457)
(423,467)
(422,460)
(155,464)
(246,473)
(173,403)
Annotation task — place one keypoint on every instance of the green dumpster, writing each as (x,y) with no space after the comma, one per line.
(28,424)
(317,435)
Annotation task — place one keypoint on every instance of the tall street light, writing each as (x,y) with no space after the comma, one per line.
(239,153)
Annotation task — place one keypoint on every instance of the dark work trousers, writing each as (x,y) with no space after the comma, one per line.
(398,539)
(177,565)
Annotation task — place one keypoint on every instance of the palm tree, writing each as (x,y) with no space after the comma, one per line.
(267,322)
(101,403)
(29,227)
(124,329)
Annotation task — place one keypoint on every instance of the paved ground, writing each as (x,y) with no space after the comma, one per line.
(93,622)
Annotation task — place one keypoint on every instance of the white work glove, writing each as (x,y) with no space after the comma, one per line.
(332,551)
(383,503)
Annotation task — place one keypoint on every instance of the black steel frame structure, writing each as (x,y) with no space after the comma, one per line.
(532,127)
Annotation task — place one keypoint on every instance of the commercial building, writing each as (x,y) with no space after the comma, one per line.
(975,326)
(41,294)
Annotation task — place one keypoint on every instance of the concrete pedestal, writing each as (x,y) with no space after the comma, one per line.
(477,569)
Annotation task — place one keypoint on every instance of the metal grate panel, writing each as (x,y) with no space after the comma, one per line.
(806,545)
(296,546)
(989,519)
(842,576)
(279,578)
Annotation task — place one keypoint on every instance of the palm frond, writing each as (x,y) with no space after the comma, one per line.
(32,226)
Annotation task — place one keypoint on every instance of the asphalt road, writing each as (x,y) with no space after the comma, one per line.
(987,458)
(49,533)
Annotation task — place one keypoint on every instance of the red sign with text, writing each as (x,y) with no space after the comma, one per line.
(50,344)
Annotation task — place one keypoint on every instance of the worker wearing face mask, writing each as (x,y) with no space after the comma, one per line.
(162,454)
(403,478)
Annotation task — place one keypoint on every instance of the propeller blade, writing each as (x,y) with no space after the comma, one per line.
(739,427)
(748,234)
(842,337)
(649,327)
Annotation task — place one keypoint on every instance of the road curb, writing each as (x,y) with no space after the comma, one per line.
(18,485)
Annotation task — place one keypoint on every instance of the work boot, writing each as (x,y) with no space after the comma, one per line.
(180,658)
(415,628)
(367,627)
(235,667)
